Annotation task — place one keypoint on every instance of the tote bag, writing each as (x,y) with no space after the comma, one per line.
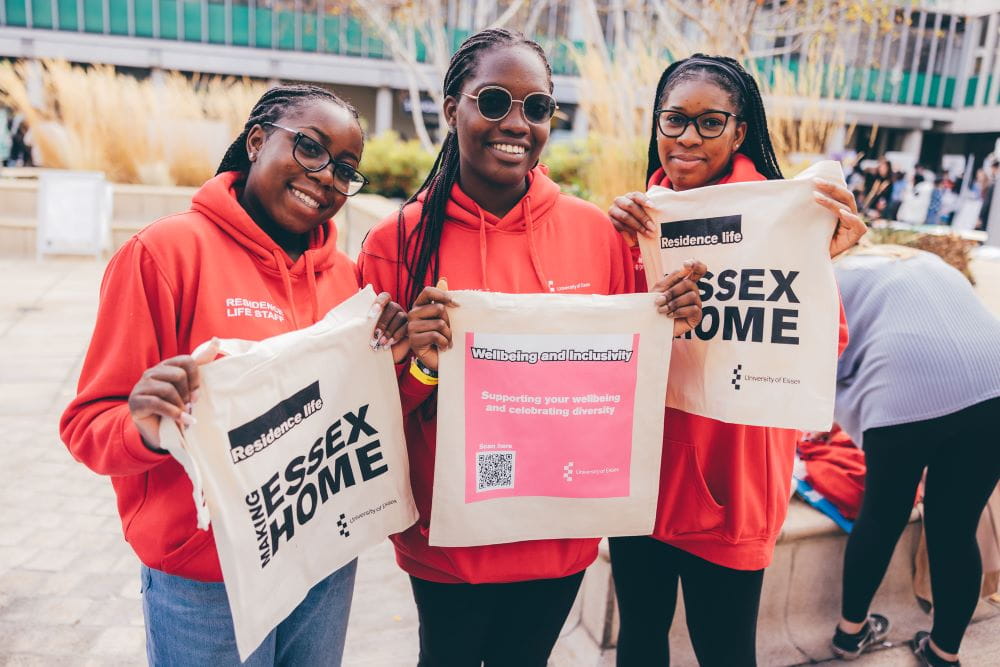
(765,352)
(550,418)
(297,459)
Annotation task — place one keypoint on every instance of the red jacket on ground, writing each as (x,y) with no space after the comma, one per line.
(724,488)
(549,242)
(210,271)
(836,468)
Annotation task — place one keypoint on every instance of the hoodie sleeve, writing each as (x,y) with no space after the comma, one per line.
(381,274)
(135,329)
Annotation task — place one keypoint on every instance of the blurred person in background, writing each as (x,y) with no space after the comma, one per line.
(989,185)
(878,189)
(916,201)
(900,184)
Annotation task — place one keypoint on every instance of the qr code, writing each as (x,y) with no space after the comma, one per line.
(494,470)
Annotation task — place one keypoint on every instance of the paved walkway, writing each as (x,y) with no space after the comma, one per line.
(69,591)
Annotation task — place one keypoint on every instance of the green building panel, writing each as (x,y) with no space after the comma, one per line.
(41,14)
(118,17)
(93,16)
(68,20)
(216,23)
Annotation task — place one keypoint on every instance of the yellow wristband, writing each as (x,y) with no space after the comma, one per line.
(421,376)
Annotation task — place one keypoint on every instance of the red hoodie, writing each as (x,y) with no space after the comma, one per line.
(724,488)
(210,271)
(549,242)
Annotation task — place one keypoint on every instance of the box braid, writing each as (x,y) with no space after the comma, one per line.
(419,251)
(729,75)
(274,105)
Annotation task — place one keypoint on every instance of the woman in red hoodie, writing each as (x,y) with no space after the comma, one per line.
(719,516)
(255,256)
(489,218)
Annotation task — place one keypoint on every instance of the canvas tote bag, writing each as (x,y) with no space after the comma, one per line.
(297,459)
(550,418)
(765,352)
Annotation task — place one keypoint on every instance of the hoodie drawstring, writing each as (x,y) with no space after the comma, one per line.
(482,247)
(286,278)
(536,261)
(311,274)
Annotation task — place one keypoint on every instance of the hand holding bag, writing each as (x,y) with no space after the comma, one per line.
(765,352)
(299,455)
(550,418)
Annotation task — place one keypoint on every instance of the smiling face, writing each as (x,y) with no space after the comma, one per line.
(281,196)
(689,160)
(497,155)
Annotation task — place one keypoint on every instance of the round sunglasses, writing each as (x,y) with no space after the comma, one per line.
(495,102)
(313,156)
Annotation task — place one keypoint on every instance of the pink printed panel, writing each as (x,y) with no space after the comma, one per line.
(549,415)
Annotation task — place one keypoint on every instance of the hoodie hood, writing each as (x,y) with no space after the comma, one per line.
(218,201)
(742,170)
(530,211)
(527,216)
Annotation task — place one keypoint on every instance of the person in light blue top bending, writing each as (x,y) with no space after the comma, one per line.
(917,387)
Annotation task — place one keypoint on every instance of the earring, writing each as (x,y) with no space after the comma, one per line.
(252,156)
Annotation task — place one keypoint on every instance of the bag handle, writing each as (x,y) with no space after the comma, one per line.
(223,346)
(173,440)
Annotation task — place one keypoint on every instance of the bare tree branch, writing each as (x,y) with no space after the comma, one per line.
(531,25)
(510,13)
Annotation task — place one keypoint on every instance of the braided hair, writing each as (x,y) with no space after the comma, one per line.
(270,108)
(419,251)
(742,89)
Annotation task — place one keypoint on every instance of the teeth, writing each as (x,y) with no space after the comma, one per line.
(305,199)
(509,148)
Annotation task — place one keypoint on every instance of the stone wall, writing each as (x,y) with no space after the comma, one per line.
(135,206)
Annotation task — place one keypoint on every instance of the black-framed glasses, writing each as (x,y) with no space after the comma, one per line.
(313,156)
(495,102)
(709,124)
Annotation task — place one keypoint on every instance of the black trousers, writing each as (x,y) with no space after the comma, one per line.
(501,625)
(961,453)
(721,604)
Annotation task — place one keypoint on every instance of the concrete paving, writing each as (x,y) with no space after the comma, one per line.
(69,590)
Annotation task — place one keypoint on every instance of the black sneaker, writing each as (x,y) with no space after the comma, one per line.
(926,655)
(849,647)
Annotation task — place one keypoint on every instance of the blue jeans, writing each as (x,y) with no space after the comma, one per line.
(189,623)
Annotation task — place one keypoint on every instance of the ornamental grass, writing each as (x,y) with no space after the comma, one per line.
(167,129)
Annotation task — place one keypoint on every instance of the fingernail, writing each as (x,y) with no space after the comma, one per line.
(392,341)
(187,420)
(195,394)
(188,407)
(375,311)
